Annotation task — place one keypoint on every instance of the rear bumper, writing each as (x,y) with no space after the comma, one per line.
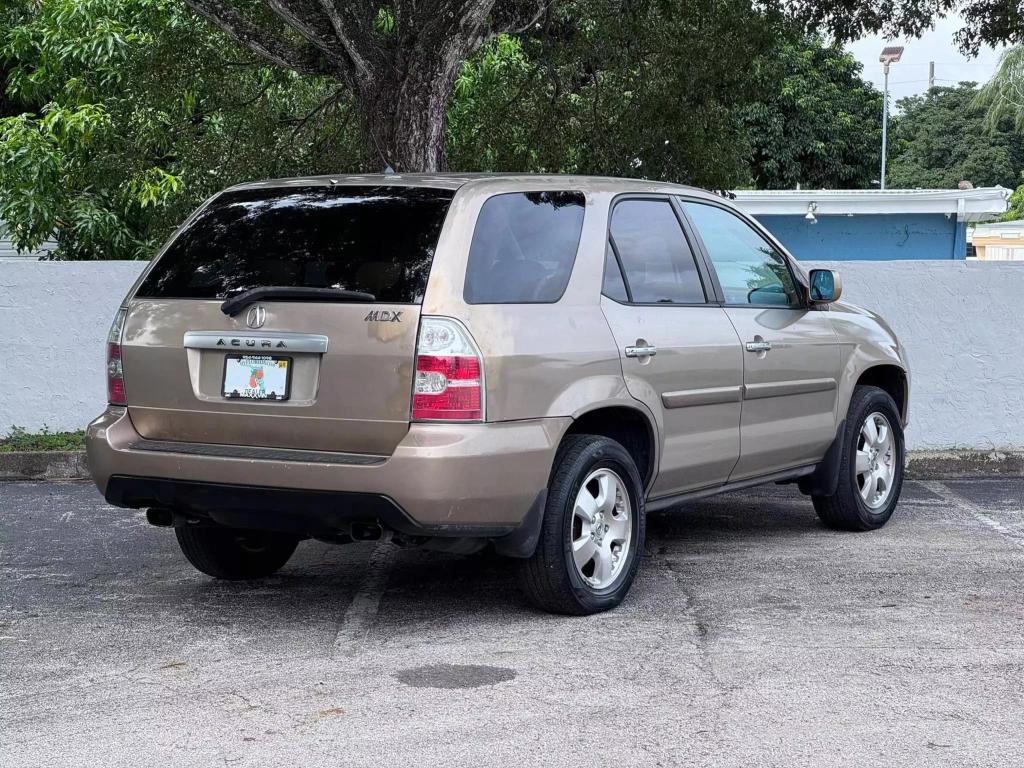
(442,479)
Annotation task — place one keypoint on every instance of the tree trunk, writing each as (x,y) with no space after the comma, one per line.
(402,73)
(405,115)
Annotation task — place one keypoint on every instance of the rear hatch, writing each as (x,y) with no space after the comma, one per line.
(322,357)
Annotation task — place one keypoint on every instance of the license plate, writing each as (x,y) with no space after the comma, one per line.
(257,377)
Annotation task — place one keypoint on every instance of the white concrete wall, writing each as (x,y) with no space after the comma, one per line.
(54,318)
(962,324)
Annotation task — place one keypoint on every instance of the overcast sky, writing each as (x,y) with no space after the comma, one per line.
(910,75)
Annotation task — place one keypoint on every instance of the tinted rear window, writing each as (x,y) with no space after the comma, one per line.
(524,246)
(380,240)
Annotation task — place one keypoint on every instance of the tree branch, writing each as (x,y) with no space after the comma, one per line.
(303,18)
(330,101)
(359,62)
(271,47)
(513,18)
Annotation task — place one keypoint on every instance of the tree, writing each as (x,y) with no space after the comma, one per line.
(122,115)
(1003,96)
(1016,210)
(939,139)
(400,58)
(648,89)
(399,61)
(817,122)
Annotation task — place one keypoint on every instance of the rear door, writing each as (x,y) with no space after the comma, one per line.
(680,354)
(345,364)
(791,352)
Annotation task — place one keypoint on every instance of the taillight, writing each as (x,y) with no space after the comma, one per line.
(115,372)
(449,373)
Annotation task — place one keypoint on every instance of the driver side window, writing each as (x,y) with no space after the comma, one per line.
(749,269)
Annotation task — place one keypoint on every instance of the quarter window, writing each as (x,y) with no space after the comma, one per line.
(614,286)
(524,246)
(660,267)
(749,269)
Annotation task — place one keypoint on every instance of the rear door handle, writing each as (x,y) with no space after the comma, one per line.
(759,346)
(648,351)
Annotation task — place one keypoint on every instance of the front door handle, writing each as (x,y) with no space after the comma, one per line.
(648,351)
(759,346)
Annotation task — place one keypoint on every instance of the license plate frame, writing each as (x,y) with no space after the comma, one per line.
(264,360)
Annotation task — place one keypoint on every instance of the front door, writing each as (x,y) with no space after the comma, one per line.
(680,355)
(791,356)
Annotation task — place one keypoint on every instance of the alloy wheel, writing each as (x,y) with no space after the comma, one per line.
(602,529)
(876,460)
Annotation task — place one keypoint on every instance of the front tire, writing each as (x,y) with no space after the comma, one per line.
(871,465)
(593,530)
(235,554)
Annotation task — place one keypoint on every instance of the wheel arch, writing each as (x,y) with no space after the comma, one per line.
(629,426)
(892,379)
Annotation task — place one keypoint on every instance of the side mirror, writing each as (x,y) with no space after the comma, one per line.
(826,286)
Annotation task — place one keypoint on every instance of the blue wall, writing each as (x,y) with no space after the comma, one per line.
(871,236)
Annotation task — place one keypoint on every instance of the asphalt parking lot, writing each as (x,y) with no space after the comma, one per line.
(753,636)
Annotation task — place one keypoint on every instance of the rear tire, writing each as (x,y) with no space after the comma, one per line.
(235,554)
(592,535)
(870,470)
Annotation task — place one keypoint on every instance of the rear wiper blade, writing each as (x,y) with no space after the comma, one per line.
(235,304)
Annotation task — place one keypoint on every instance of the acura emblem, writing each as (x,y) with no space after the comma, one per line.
(256,317)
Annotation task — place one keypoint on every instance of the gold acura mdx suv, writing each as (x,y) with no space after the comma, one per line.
(524,362)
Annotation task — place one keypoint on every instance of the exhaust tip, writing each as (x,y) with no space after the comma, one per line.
(162,518)
(366,532)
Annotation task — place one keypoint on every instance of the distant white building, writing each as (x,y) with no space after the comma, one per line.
(999,241)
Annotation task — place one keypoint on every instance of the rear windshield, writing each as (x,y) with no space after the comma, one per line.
(379,240)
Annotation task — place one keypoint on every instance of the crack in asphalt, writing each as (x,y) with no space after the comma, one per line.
(362,611)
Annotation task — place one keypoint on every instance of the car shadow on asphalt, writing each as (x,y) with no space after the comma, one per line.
(437,588)
(440,587)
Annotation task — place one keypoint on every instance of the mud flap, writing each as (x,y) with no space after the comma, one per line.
(522,542)
(825,478)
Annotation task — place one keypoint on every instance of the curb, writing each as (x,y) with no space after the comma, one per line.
(921,465)
(43,465)
(935,465)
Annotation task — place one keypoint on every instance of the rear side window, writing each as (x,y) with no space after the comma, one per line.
(380,240)
(660,267)
(523,249)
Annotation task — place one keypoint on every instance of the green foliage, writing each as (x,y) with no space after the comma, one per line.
(123,115)
(118,117)
(940,139)
(630,89)
(817,123)
(20,440)
(1002,97)
(384,24)
(1016,209)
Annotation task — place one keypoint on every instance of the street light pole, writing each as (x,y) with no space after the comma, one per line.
(885,119)
(889,55)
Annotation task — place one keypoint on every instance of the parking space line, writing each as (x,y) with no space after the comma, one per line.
(362,611)
(968,507)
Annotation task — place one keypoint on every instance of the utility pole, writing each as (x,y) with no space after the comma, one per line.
(889,56)
(931,75)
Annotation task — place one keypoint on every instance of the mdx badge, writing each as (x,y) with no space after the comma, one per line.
(383,316)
